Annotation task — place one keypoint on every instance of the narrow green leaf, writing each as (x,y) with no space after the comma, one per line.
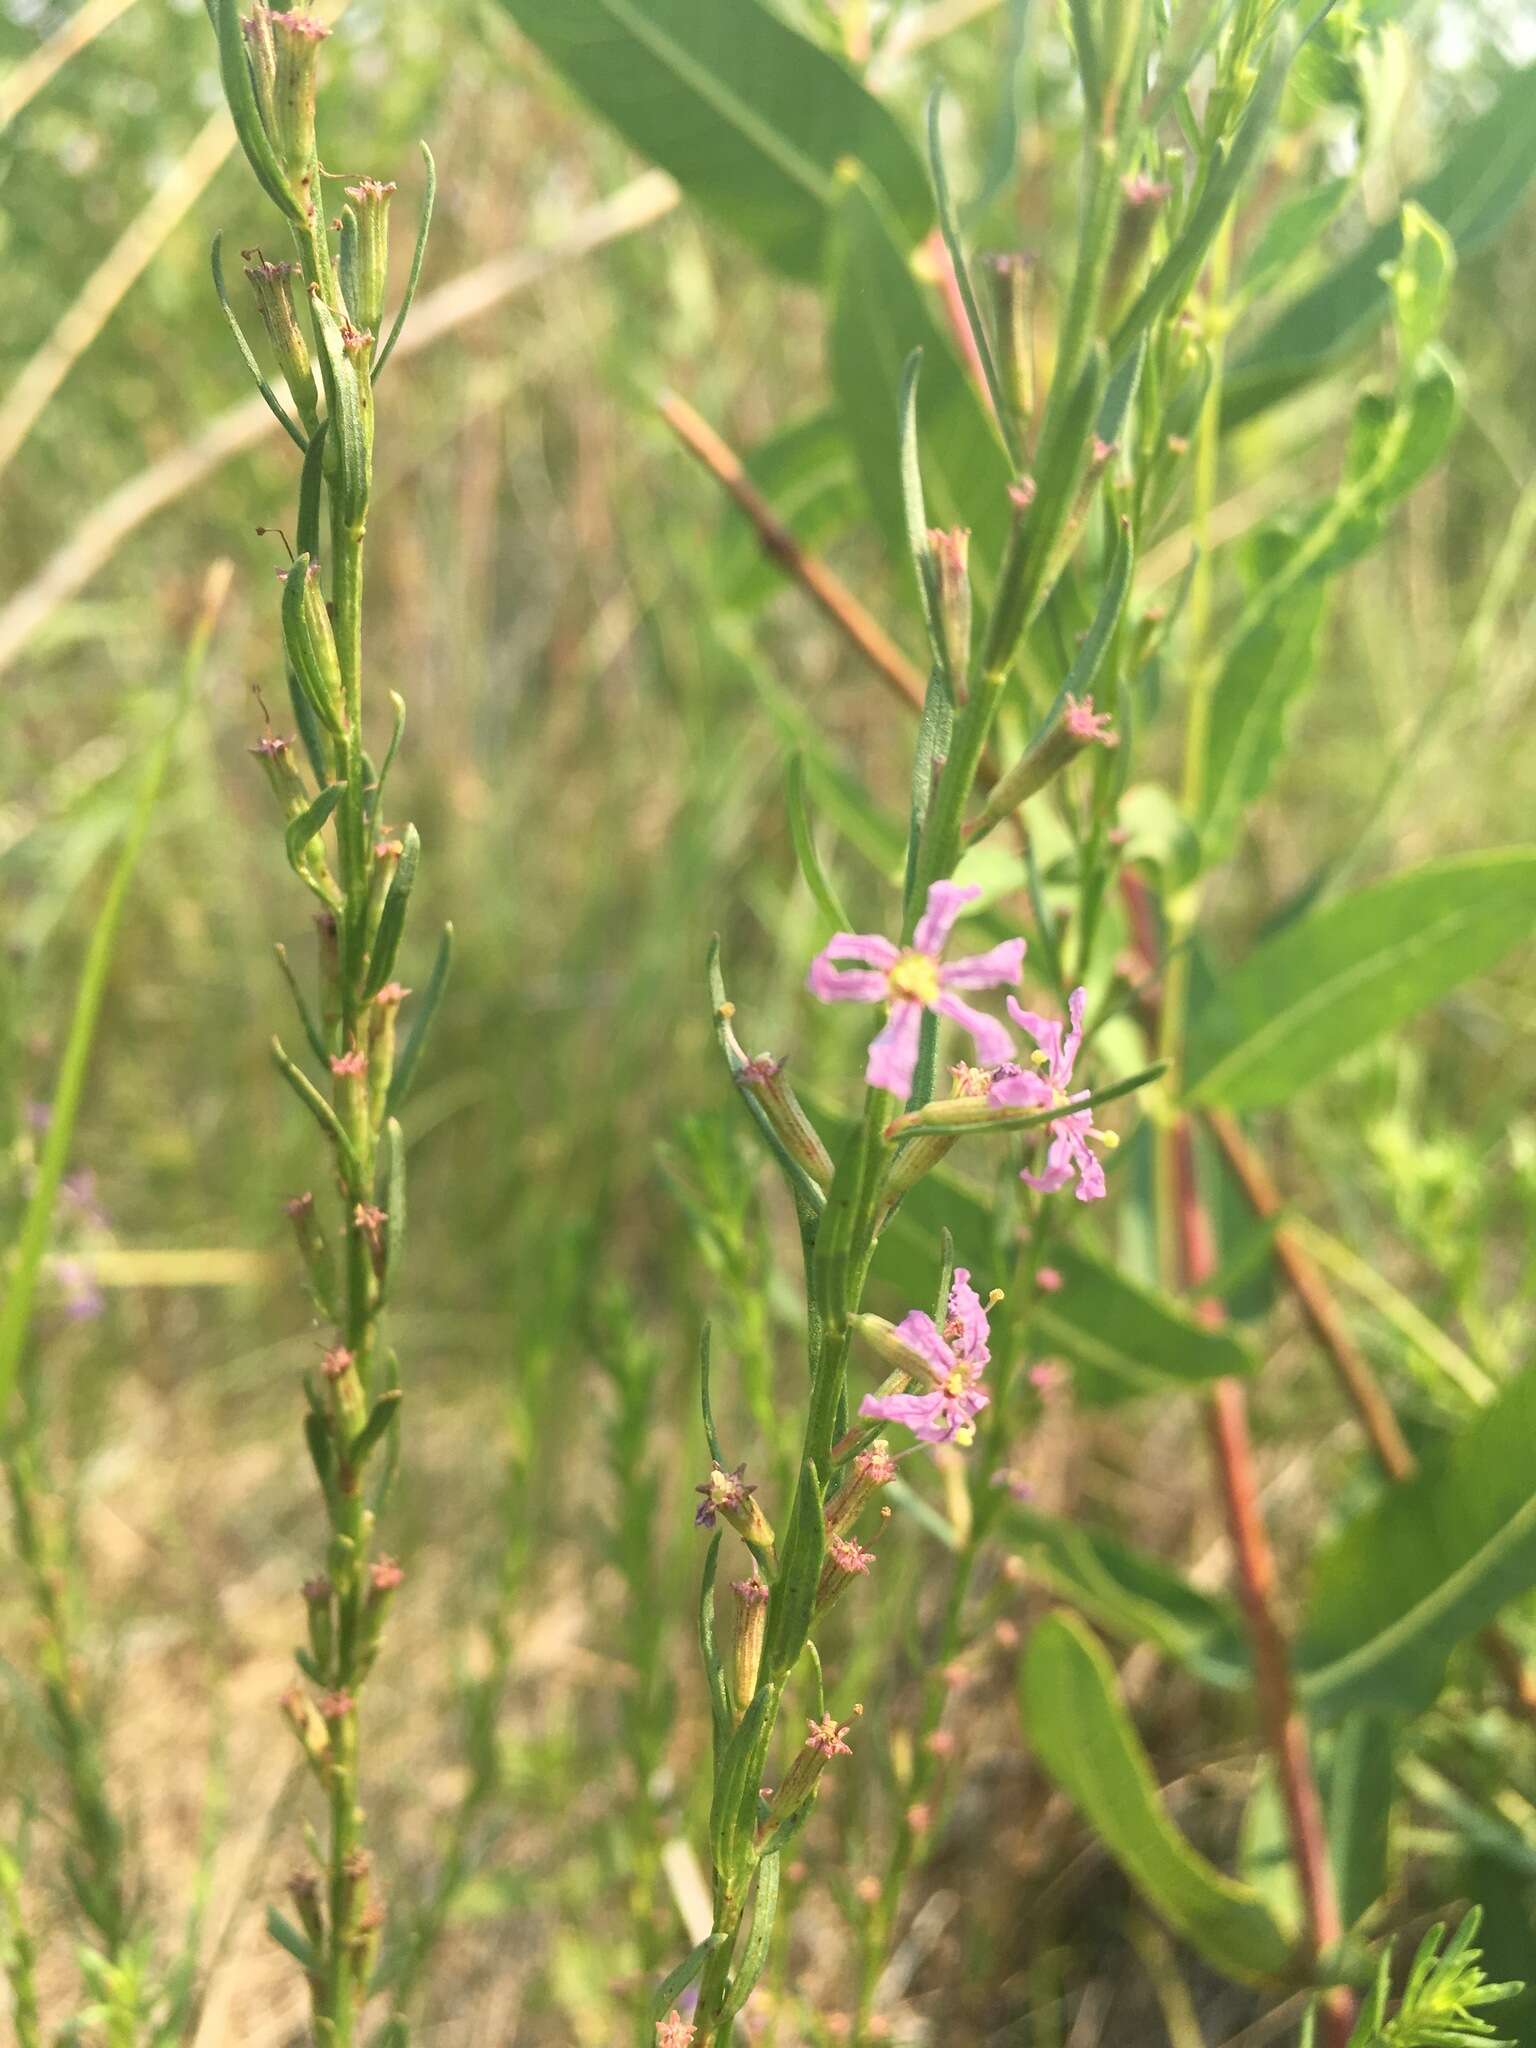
(671,1988)
(706,1405)
(1086,1740)
(349,421)
(1485,171)
(1172,280)
(317,1044)
(1122,1339)
(275,405)
(1134,1595)
(375,795)
(1256,696)
(286,1935)
(765,1906)
(410,1053)
(950,229)
(309,824)
(305,1089)
(1430,1562)
(879,317)
(737,1781)
(311,482)
(714,1670)
(1344,974)
(234,71)
(371,1435)
(793,1599)
(394,1205)
(806,856)
(750,117)
(418,257)
(386,942)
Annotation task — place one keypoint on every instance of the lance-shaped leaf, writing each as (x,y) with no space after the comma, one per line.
(1122,1339)
(880,316)
(793,1601)
(751,118)
(1133,1594)
(311,644)
(732,1817)
(964,1114)
(349,423)
(418,257)
(1256,696)
(1342,975)
(235,74)
(1427,1565)
(1173,278)
(394,1205)
(302,831)
(806,856)
(386,942)
(1086,1740)
(765,1906)
(410,1053)
(1480,181)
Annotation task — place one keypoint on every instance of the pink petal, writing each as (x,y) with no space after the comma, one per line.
(992,1042)
(893,1054)
(1001,966)
(1022,1089)
(831,984)
(1045,1031)
(945,902)
(1076,1005)
(921,1334)
(965,1306)
(913,1411)
(869,947)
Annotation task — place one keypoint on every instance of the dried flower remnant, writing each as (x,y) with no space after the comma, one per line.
(916,980)
(1046,1085)
(674,2031)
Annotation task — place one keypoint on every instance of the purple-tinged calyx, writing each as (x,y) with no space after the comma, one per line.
(728,1494)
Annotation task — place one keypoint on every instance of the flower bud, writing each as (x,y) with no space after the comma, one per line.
(1141,203)
(947,551)
(261,52)
(311,643)
(845,1561)
(365,252)
(274,302)
(348,1403)
(382,1014)
(1013,322)
(281,769)
(1078,727)
(882,1339)
(304,1891)
(763,1079)
(872,1469)
(319,1605)
(307,1723)
(747,1647)
(296,40)
(313,1250)
(824,1742)
(384,1579)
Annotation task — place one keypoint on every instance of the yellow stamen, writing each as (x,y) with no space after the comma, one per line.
(914,978)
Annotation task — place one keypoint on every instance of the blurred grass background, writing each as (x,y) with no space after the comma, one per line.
(595,763)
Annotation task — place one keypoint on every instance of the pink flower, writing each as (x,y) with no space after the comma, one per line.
(674,2031)
(1047,1086)
(953,1358)
(826,1738)
(914,981)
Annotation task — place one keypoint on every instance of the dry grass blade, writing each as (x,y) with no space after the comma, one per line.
(28,78)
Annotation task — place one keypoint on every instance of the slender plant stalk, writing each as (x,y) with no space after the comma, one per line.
(332,795)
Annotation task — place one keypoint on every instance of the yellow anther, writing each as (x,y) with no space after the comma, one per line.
(1039,1059)
(966,1433)
(914,978)
(995,1297)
